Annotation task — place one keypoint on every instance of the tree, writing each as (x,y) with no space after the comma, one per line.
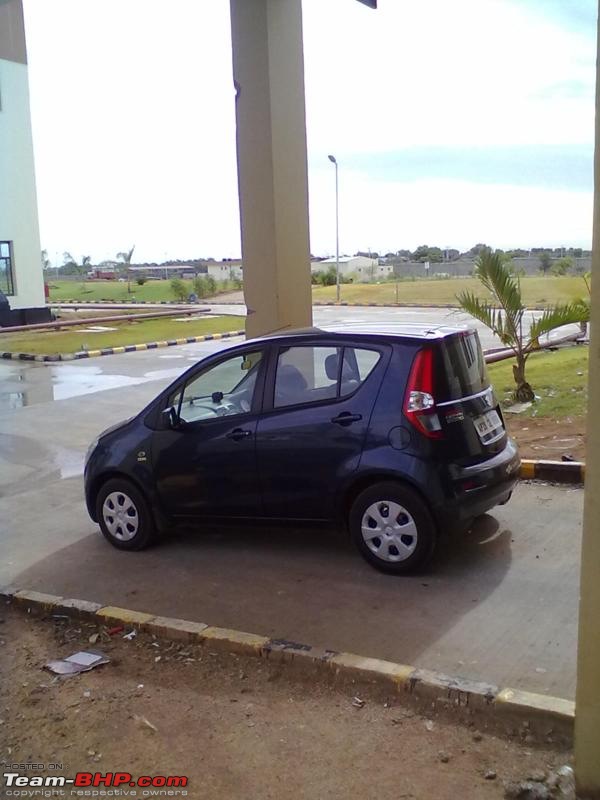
(211,285)
(562,265)
(478,249)
(179,289)
(545,262)
(426,253)
(72,267)
(504,315)
(125,257)
(328,278)
(200,287)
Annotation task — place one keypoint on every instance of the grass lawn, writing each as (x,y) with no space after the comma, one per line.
(558,377)
(536,290)
(151,291)
(153,330)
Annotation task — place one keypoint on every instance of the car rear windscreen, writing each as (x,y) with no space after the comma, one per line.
(464,371)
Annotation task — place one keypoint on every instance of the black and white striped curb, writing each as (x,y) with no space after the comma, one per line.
(128,348)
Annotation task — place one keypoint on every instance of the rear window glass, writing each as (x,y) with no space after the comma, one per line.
(463,367)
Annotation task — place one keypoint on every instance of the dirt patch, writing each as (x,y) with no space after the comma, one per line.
(548,439)
(236,727)
(226,297)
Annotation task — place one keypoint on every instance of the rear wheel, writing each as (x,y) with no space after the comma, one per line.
(124,515)
(392,528)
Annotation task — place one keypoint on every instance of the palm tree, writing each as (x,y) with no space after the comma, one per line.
(125,257)
(504,315)
(70,261)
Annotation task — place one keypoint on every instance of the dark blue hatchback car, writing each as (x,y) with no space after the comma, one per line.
(395,434)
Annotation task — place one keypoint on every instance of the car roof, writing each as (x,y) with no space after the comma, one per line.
(404,331)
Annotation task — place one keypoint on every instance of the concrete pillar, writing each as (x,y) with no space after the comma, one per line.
(587,715)
(19,228)
(268,69)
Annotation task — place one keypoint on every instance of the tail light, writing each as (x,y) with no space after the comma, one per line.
(419,402)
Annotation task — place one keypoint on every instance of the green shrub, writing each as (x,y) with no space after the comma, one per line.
(179,289)
(200,287)
(141,280)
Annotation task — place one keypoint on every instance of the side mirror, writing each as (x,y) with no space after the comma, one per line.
(170,418)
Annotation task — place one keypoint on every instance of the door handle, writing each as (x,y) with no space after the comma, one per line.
(346,418)
(237,433)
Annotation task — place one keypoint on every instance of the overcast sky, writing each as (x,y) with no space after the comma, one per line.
(453,123)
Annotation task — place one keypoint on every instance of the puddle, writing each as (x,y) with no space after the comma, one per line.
(158,374)
(95,329)
(26,464)
(26,384)
(195,319)
(44,383)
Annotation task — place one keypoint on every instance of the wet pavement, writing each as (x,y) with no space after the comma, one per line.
(28,383)
(499,604)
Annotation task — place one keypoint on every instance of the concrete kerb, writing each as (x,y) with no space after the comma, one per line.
(111,351)
(467,701)
(572,472)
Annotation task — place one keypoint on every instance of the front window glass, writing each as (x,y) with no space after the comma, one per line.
(220,391)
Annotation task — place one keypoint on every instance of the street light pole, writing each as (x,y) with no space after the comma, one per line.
(337,231)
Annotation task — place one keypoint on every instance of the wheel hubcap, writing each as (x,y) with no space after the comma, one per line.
(120,516)
(389,531)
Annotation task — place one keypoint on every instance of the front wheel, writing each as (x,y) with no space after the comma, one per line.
(124,515)
(392,528)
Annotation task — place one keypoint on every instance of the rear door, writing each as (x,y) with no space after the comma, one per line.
(468,410)
(318,402)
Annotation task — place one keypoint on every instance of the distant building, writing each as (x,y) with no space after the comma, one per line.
(225,270)
(362,268)
(21,276)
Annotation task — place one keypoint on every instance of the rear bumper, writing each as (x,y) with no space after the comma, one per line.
(477,488)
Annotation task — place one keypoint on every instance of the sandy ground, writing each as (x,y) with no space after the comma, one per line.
(549,439)
(236,727)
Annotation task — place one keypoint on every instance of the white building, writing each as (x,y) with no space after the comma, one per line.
(21,277)
(225,270)
(362,268)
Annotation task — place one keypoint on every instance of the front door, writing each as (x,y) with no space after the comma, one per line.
(312,431)
(205,464)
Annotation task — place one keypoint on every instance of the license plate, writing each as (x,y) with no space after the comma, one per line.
(487,423)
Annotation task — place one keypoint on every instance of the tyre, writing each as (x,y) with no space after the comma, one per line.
(392,528)
(124,515)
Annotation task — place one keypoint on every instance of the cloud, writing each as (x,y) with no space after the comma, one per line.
(548,166)
(577,16)
(430,107)
(574,89)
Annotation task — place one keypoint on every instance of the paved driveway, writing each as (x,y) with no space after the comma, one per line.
(499,604)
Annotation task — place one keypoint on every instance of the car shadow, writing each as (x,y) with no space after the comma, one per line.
(306,585)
